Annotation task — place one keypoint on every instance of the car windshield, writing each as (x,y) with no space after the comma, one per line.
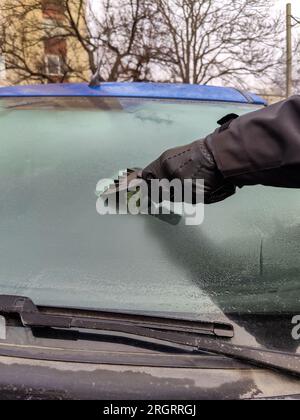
(56,249)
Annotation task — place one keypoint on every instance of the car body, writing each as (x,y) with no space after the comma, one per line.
(240,267)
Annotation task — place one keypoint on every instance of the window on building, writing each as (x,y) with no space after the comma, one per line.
(53,64)
(55,55)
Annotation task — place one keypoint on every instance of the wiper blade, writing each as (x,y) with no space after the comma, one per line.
(142,325)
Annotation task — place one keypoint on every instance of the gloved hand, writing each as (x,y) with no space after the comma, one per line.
(193,161)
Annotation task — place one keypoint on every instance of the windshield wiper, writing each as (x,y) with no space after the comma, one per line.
(209,337)
(142,325)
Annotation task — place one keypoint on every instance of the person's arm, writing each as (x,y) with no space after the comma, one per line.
(262,147)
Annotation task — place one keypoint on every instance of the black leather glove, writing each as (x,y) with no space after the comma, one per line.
(193,161)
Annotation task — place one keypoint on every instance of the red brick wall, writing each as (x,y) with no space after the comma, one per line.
(53,9)
(56,46)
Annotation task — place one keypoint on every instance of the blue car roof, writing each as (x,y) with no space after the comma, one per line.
(136,90)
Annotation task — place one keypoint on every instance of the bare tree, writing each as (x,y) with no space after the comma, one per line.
(296,79)
(275,90)
(191,41)
(33,29)
(123,33)
(209,40)
(277,87)
(71,30)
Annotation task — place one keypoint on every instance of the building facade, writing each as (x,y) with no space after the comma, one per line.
(38,42)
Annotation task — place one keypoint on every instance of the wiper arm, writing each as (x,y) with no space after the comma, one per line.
(287,363)
(200,336)
(142,325)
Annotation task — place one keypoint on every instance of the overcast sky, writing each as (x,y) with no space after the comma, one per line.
(281,4)
(295,6)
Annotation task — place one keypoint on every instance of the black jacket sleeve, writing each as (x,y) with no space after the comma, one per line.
(262,147)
